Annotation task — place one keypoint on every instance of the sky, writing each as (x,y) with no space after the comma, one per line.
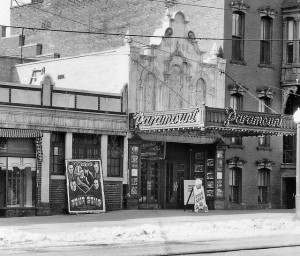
(5,9)
(11,237)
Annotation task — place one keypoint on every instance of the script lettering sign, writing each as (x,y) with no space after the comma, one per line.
(166,120)
(251,119)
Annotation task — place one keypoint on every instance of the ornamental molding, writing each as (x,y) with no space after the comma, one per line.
(239,6)
(265,164)
(237,89)
(285,95)
(267,11)
(236,162)
(265,93)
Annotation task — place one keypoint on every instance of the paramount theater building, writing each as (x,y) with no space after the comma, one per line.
(155,116)
(184,127)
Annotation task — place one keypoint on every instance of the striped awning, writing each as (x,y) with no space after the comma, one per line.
(20,133)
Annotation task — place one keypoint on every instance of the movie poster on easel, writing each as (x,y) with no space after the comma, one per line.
(85,186)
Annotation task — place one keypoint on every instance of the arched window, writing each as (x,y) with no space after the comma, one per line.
(200,95)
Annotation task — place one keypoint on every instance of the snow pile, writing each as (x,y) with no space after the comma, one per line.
(153,233)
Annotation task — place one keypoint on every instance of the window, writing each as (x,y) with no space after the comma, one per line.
(57,154)
(265,43)
(115,156)
(290,42)
(263,186)
(264,106)
(237,36)
(264,141)
(234,185)
(86,146)
(17,182)
(237,141)
(236,101)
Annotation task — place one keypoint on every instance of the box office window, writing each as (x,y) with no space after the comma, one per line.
(115,156)
(57,153)
(86,146)
(17,182)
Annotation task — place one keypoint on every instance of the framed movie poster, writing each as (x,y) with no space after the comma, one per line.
(85,186)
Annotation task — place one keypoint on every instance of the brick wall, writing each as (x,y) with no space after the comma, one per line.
(137,16)
(58,196)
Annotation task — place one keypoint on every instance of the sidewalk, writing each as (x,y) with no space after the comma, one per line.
(129,218)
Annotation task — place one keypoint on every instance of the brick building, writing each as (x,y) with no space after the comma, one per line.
(254,173)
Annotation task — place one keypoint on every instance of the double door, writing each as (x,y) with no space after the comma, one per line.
(162,184)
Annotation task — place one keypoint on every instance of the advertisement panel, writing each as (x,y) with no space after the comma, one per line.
(85,186)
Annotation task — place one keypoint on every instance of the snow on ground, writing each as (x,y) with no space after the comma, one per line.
(201,231)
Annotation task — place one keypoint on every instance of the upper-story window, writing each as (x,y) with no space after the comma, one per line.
(238,20)
(265,43)
(290,41)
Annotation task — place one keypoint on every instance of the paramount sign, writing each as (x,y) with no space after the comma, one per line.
(187,118)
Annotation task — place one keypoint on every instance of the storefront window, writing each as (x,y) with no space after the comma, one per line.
(86,146)
(57,153)
(115,156)
(17,182)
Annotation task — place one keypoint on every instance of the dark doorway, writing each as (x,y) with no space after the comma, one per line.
(290,192)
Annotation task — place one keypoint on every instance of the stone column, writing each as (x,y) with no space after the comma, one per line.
(104,141)
(68,145)
(44,206)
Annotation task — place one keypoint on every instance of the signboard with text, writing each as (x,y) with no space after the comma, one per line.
(85,186)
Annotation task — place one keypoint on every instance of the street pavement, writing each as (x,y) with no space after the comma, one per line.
(131,218)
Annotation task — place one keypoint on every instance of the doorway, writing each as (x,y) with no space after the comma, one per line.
(150,176)
(290,192)
(174,177)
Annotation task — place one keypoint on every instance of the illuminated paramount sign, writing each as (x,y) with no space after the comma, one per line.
(169,120)
(252,120)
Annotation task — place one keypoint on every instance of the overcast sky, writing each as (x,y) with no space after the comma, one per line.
(4,12)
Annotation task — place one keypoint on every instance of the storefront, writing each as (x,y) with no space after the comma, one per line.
(167,152)
(42,128)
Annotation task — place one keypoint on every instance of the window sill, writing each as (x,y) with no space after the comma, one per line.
(268,66)
(236,146)
(113,179)
(58,177)
(238,62)
(264,148)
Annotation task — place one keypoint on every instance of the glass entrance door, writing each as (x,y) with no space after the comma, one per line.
(175,174)
(149,184)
